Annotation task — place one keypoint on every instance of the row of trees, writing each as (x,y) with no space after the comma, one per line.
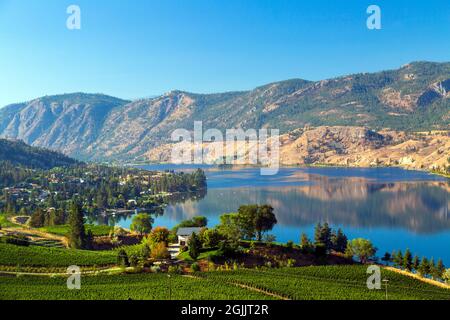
(410,263)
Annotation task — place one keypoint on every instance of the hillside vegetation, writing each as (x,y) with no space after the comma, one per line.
(20,154)
(415,97)
(317,283)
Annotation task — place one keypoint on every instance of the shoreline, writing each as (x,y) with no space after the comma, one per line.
(285,166)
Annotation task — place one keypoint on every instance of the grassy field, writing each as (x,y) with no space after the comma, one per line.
(307,283)
(63,230)
(5,223)
(12,255)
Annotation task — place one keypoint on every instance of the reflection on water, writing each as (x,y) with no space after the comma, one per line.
(395,208)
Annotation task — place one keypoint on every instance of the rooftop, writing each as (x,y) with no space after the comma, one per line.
(188,231)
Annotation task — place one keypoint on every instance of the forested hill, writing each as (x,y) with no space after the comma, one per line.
(18,153)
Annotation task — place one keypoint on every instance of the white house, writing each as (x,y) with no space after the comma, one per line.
(184,234)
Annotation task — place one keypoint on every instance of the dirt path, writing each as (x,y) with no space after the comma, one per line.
(270,294)
(417,277)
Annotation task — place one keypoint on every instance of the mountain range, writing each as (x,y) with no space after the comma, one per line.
(97,127)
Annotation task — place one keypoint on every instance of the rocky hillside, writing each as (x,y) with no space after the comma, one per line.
(19,153)
(67,123)
(347,146)
(415,97)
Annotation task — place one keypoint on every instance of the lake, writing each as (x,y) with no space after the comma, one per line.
(394,208)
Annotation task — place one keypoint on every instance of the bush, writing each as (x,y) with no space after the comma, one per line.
(122,258)
(290,245)
(134,260)
(160,251)
(175,270)
(195,267)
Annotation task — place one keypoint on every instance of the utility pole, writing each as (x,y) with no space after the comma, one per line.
(386,281)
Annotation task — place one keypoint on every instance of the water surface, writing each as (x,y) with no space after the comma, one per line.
(395,208)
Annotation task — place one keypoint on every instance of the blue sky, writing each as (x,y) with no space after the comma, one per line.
(139,48)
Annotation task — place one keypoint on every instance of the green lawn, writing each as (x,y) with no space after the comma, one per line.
(63,230)
(307,283)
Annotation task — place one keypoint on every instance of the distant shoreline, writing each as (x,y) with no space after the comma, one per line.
(317,165)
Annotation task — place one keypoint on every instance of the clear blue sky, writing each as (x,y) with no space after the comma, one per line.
(141,48)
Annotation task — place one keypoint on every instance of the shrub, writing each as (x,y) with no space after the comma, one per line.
(122,258)
(195,267)
(160,251)
(290,245)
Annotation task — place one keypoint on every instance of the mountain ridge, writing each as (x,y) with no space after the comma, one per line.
(97,127)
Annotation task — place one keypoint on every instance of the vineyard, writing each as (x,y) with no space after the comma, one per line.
(36,256)
(306,283)
(123,287)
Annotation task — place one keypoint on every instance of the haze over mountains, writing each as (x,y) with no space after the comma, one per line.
(415,97)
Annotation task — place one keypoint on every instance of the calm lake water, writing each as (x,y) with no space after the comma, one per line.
(395,208)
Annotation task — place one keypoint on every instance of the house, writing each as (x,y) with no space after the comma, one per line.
(184,234)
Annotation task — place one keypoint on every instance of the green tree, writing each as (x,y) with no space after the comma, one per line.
(194,246)
(397,258)
(246,220)
(424,267)
(159,235)
(265,220)
(229,228)
(122,258)
(142,223)
(77,233)
(339,241)
(387,258)
(323,235)
(305,244)
(407,260)
(440,269)
(210,238)
(361,248)
(37,219)
(415,263)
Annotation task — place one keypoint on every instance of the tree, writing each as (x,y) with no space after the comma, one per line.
(424,267)
(77,233)
(89,245)
(142,223)
(339,241)
(264,221)
(440,268)
(416,263)
(210,238)
(322,235)
(122,258)
(397,258)
(361,248)
(305,244)
(160,251)
(433,269)
(37,219)
(407,260)
(446,276)
(194,246)
(159,235)
(246,220)
(387,258)
(229,228)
